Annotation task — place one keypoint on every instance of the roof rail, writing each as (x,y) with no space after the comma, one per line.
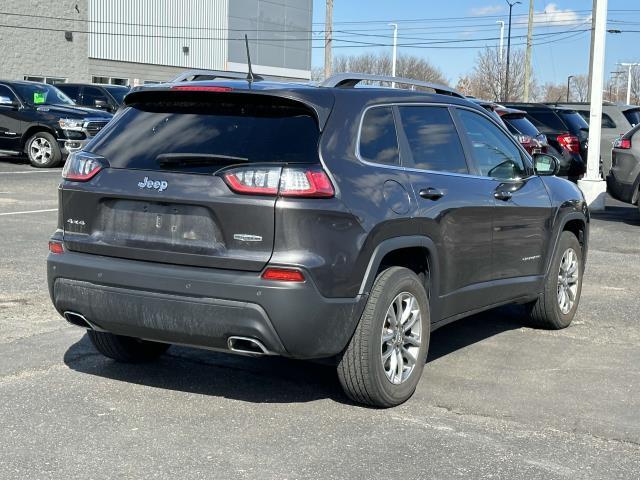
(193,74)
(350,80)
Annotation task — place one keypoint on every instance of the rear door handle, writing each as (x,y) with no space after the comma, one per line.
(431,193)
(502,195)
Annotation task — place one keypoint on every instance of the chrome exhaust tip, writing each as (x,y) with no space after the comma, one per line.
(247,346)
(77,319)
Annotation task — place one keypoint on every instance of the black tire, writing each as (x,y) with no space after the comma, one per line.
(546,312)
(126,349)
(360,370)
(36,147)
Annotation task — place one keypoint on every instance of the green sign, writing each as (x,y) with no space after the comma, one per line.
(39,97)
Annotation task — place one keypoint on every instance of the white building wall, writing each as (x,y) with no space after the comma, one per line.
(121,30)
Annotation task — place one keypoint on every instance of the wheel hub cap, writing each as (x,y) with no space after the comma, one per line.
(568,276)
(401,338)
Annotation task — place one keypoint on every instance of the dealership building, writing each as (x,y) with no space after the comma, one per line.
(132,42)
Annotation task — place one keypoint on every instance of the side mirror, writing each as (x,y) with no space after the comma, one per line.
(101,104)
(8,102)
(545,164)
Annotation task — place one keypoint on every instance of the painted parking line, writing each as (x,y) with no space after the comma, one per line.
(29,211)
(30,171)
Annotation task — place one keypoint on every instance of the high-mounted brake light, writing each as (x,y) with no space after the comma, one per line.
(56,247)
(622,143)
(283,275)
(202,88)
(286,182)
(569,142)
(83,166)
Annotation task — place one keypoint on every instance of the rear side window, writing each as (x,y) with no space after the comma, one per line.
(633,115)
(433,139)
(202,136)
(378,138)
(607,121)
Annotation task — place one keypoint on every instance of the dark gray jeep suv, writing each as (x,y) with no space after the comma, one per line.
(312,222)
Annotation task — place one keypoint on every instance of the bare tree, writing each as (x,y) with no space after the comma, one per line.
(486,80)
(408,66)
(579,88)
(551,92)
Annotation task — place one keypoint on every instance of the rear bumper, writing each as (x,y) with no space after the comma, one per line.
(201,307)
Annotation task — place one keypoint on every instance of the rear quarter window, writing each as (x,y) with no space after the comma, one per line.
(378,137)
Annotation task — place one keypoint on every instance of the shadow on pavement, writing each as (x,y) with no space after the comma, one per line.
(268,379)
(620,212)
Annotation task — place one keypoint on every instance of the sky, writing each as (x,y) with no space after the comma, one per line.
(560,48)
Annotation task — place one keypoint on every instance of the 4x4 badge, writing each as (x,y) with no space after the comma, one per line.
(158,185)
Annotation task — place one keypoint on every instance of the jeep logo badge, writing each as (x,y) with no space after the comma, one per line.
(158,185)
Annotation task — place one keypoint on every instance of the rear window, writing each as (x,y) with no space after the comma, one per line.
(574,121)
(633,115)
(547,121)
(520,125)
(204,136)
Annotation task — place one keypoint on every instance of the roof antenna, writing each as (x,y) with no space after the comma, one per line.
(250,75)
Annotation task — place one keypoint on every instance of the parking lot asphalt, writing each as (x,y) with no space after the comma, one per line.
(497,399)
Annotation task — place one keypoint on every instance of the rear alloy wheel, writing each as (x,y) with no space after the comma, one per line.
(557,305)
(43,150)
(126,349)
(383,362)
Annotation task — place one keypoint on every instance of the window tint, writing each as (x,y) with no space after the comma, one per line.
(378,139)
(71,91)
(633,116)
(607,121)
(520,125)
(91,94)
(575,122)
(546,121)
(227,130)
(6,92)
(495,154)
(433,139)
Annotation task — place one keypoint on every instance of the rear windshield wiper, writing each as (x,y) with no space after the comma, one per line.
(196,159)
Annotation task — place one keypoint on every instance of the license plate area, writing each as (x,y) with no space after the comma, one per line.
(159,226)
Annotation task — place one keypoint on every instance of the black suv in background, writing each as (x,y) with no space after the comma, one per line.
(566,132)
(40,121)
(310,222)
(94,95)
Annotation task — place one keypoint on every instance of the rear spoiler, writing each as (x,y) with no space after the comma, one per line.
(318,102)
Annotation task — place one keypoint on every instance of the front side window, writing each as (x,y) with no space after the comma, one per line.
(93,94)
(495,154)
(378,138)
(41,94)
(433,139)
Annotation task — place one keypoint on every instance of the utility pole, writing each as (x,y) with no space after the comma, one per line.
(501,41)
(592,185)
(500,52)
(395,51)
(614,77)
(506,81)
(630,65)
(527,58)
(328,36)
(569,86)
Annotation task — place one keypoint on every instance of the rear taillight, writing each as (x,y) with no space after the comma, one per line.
(524,139)
(286,182)
(283,275)
(622,143)
(569,142)
(56,247)
(83,166)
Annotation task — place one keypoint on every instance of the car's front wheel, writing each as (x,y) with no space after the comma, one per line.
(557,305)
(385,358)
(43,150)
(126,349)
